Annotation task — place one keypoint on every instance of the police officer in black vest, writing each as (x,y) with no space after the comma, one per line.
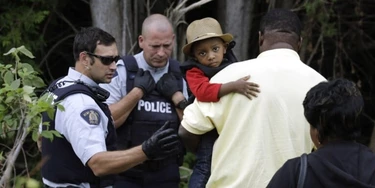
(141,106)
(85,155)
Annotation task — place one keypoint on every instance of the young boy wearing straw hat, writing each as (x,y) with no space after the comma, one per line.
(208,50)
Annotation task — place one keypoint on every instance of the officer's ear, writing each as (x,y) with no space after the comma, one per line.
(300,43)
(85,59)
(261,38)
(140,41)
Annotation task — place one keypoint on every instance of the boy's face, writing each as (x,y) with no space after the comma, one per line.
(210,52)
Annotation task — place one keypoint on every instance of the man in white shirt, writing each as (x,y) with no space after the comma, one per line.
(257,136)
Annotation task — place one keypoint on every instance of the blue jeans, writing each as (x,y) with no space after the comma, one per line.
(202,168)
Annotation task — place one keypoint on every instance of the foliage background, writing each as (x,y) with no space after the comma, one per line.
(338,42)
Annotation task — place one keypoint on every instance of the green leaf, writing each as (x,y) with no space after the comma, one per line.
(32,183)
(9,99)
(15,84)
(38,82)
(2,107)
(28,89)
(57,134)
(20,181)
(27,66)
(25,51)
(10,51)
(60,107)
(47,134)
(51,113)
(26,97)
(8,77)
(35,135)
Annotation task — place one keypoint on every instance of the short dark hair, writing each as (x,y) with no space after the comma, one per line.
(281,20)
(88,38)
(333,108)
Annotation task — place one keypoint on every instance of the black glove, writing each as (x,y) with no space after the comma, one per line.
(163,143)
(144,81)
(169,85)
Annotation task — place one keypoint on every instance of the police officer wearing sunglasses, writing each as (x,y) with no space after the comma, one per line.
(86,154)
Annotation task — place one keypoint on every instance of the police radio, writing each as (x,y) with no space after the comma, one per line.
(99,92)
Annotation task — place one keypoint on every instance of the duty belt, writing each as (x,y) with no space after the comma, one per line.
(151,165)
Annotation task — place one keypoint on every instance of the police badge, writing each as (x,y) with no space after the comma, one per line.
(91,116)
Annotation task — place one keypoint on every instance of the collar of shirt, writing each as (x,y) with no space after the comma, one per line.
(279,52)
(75,75)
(143,64)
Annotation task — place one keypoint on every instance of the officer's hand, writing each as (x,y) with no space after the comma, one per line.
(144,81)
(169,85)
(163,143)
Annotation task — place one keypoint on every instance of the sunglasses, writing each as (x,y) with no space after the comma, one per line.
(106,60)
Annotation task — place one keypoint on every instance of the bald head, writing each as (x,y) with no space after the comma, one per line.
(156,22)
(156,40)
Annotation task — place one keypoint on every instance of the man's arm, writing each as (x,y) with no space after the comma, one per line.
(163,143)
(113,162)
(190,140)
(168,86)
(177,98)
(121,110)
(143,84)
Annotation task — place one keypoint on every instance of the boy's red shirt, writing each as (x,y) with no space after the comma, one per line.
(201,87)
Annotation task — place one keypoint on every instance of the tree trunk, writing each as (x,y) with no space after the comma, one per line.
(122,19)
(237,20)
(106,15)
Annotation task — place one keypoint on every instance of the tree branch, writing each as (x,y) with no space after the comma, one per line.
(13,155)
(67,21)
(53,48)
(315,49)
(194,5)
(176,14)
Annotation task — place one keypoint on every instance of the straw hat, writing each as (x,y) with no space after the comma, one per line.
(203,29)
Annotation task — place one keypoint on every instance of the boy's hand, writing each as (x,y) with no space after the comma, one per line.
(249,89)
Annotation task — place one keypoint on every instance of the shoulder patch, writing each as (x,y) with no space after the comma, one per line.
(91,116)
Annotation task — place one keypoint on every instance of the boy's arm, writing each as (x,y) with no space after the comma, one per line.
(201,87)
(205,91)
(249,89)
(190,140)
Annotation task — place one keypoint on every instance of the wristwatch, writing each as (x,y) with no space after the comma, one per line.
(182,104)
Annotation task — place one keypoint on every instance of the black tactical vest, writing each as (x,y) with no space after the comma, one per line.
(151,112)
(62,164)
